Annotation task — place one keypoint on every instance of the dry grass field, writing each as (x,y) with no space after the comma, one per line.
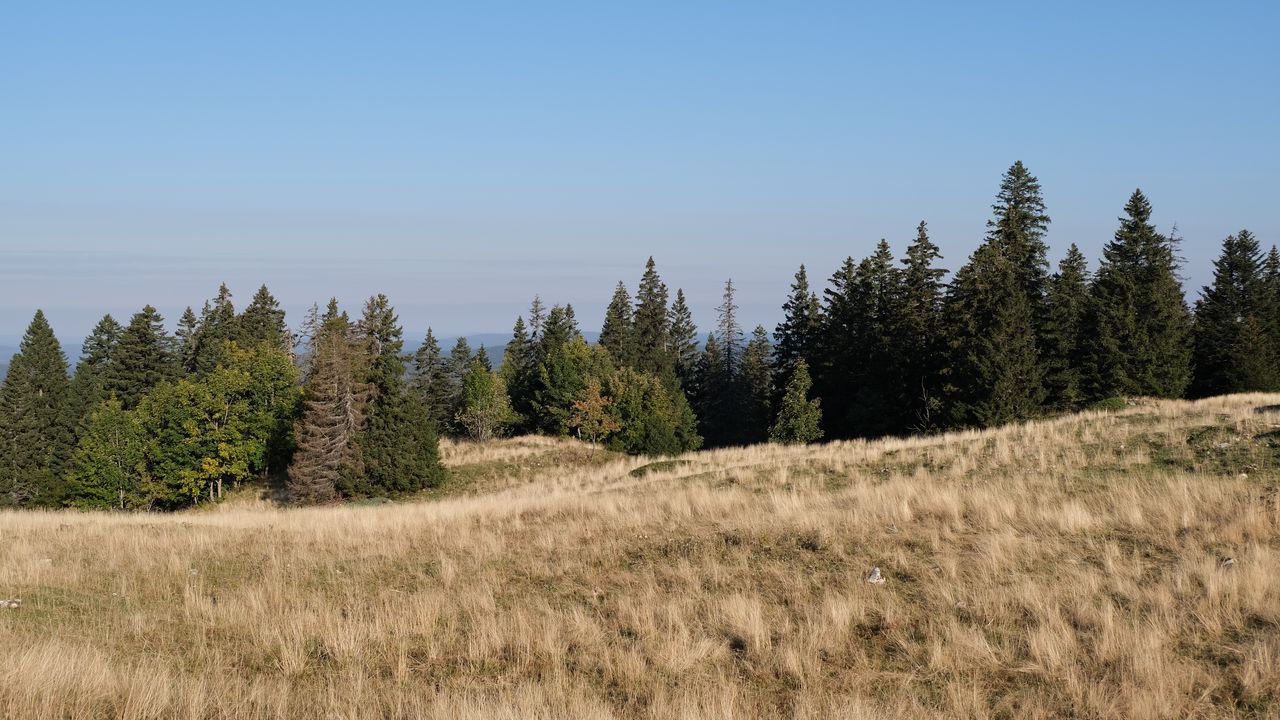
(1073,567)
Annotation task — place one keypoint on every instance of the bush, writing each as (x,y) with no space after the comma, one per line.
(1111,404)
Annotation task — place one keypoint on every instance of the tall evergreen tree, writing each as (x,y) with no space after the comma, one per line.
(729,331)
(143,359)
(89,385)
(1231,351)
(1137,327)
(458,365)
(921,337)
(652,324)
(263,321)
(1067,302)
(334,411)
(757,381)
(217,325)
(1271,302)
(518,370)
(1018,229)
(683,346)
(994,373)
(537,316)
(397,450)
(618,333)
(35,428)
(431,380)
(185,341)
(797,336)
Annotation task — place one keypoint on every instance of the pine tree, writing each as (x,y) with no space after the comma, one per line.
(1231,354)
(482,357)
(263,321)
(729,332)
(397,451)
(537,316)
(1067,302)
(185,341)
(143,359)
(652,325)
(720,393)
(89,385)
(994,372)
(35,428)
(458,365)
(921,342)
(797,336)
(431,380)
(618,333)
(334,411)
(1017,230)
(757,381)
(1137,327)
(799,420)
(683,347)
(518,371)
(1271,303)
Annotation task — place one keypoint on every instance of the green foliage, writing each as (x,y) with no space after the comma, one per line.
(36,430)
(618,333)
(683,342)
(650,420)
(104,471)
(486,409)
(1065,331)
(1232,352)
(799,420)
(757,381)
(431,381)
(1111,404)
(143,359)
(652,324)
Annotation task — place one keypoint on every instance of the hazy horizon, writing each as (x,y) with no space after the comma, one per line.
(462,159)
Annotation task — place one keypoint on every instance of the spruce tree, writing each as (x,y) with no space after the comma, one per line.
(757,381)
(263,321)
(652,325)
(1018,229)
(143,359)
(537,316)
(797,336)
(217,326)
(519,367)
(618,333)
(1231,354)
(799,420)
(683,347)
(1067,302)
(994,371)
(921,337)
(457,366)
(1137,338)
(334,410)
(36,435)
(397,450)
(482,357)
(431,380)
(185,341)
(89,385)
(1271,303)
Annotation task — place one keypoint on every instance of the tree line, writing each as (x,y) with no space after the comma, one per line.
(339,409)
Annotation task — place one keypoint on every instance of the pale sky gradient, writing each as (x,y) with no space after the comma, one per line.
(461,157)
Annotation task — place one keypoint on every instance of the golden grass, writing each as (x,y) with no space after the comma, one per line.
(1069,567)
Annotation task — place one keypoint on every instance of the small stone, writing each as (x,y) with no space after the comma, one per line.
(13,604)
(1226,563)
(876,577)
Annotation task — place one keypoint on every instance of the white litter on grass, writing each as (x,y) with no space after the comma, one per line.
(876,577)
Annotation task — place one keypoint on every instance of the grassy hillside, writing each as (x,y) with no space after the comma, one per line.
(1073,567)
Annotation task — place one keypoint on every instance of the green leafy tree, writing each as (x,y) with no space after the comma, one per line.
(1231,352)
(651,420)
(799,420)
(486,409)
(104,467)
(591,417)
(36,432)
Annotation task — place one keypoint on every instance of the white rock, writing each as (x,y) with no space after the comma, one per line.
(876,577)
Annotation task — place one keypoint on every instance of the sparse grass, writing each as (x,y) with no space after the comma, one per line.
(1066,568)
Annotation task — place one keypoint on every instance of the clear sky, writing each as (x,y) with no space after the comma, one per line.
(462,156)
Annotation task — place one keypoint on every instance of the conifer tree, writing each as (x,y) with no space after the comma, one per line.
(797,336)
(921,337)
(397,451)
(729,332)
(683,340)
(757,381)
(35,428)
(518,370)
(89,385)
(799,420)
(217,325)
(431,380)
(334,411)
(995,374)
(103,470)
(652,325)
(1271,303)
(1017,230)
(185,341)
(1067,301)
(720,392)
(1231,352)
(458,365)
(263,321)
(537,316)
(143,359)
(1137,338)
(482,357)
(618,333)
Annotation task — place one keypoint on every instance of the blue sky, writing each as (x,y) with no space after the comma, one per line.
(461,157)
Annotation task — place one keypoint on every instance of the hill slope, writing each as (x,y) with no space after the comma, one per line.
(1068,567)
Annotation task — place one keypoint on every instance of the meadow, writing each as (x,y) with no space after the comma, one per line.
(1105,565)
